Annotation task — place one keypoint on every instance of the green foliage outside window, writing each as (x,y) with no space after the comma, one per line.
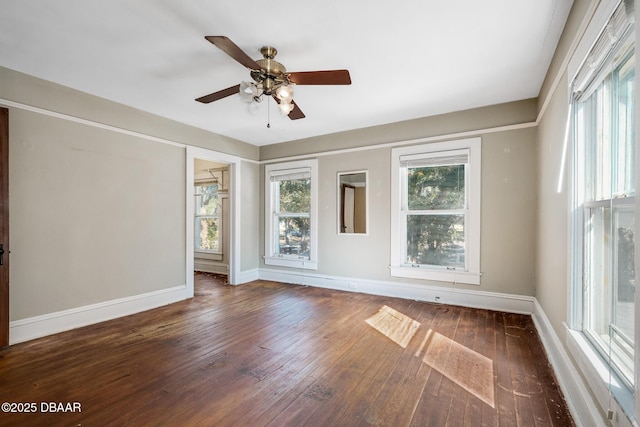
(207,236)
(435,223)
(294,198)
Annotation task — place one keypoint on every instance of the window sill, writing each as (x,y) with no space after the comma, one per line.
(437,275)
(596,373)
(291,262)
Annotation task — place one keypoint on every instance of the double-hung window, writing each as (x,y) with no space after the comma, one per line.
(290,214)
(208,218)
(604,195)
(436,211)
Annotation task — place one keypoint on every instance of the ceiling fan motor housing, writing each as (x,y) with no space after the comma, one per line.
(271,73)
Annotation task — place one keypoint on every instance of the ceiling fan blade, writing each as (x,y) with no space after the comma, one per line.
(219,94)
(231,49)
(329,77)
(294,114)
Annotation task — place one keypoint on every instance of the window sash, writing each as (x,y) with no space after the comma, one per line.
(286,249)
(448,255)
(198,229)
(295,245)
(434,159)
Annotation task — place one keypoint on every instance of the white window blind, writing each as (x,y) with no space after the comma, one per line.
(291,174)
(424,160)
(608,42)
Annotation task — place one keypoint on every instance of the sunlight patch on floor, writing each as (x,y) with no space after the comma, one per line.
(465,367)
(394,325)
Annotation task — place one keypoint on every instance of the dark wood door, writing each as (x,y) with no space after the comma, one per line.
(4,227)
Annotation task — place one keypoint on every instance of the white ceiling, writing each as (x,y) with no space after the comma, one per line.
(407,58)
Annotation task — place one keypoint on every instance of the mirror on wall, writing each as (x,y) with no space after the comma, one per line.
(352,202)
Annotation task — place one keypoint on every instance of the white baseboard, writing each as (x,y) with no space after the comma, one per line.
(454,296)
(211,268)
(52,323)
(247,276)
(581,404)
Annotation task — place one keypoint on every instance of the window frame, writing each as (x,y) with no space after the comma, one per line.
(270,229)
(398,267)
(603,379)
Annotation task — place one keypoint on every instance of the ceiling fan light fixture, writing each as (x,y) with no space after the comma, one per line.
(286,107)
(250,92)
(246,88)
(284,92)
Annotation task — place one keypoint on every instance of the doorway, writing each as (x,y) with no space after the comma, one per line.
(211,217)
(218,167)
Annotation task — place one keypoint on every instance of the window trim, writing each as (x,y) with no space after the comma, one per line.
(471,275)
(279,169)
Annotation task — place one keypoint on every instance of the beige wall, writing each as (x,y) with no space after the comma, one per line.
(92,217)
(553,212)
(31,91)
(97,197)
(509,173)
(250,216)
(552,267)
(508,199)
(443,125)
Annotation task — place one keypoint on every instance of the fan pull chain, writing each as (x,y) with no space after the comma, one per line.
(268,113)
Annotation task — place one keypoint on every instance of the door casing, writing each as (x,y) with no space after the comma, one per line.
(4,226)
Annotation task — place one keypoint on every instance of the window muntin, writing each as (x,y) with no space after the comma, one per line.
(605,189)
(208,218)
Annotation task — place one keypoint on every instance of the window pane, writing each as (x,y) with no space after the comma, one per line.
(436,187)
(598,266)
(294,196)
(598,151)
(624,271)
(610,283)
(436,240)
(207,234)
(207,201)
(624,162)
(293,236)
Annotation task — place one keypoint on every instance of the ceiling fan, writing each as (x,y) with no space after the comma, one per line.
(271,78)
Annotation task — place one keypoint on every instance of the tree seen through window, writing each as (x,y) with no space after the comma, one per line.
(435,218)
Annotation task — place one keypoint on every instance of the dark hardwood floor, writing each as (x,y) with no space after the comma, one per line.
(270,354)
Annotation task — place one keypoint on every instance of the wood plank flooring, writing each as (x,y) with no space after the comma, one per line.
(272,354)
